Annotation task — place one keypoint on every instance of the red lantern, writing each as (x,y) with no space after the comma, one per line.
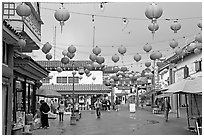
(197,51)
(65,60)
(115,69)
(48,56)
(182,54)
(100,60)
(153,27)
(198,37)
(122,50)
(153,12)
(147,64)
(153,56)
(200,24)
(64,52)
(158,55)
(81,70)
(199,45)
(21,43)
(89,67)
(175,26)
(72,49)
(147,48)
(70,55)
(159,64)
(59,69)
(46,47)
(92,57)
(62,15)
(137,57)
(96,65)
(173,44)
(93,78)
(123,69)
(97,50)
(178,50)
(115,58)
(86,71)
(23,10)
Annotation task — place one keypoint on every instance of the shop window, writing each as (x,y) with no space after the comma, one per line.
(70,79)
(62,80)
(5,53)
(9,9)
(46,80)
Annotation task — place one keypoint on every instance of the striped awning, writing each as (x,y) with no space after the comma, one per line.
(78,88)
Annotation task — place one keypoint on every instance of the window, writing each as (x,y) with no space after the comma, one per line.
(198,65)
(61,79)
(5,53)
(70,79)
(9,9)
(46,80)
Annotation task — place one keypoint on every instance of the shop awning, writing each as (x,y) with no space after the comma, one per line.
(47,93)
(163,95)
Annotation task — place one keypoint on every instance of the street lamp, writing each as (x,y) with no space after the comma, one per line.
(73,116)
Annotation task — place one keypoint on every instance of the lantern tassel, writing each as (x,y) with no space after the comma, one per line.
(61,24)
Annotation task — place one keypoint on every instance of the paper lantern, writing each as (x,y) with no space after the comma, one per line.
(147,48)
(175,26)
(93,78)
(122,50)
(23,10)
(123,69)
(100,60)
(65,60)
(159,64)
(92,57)
(81,71)
(21,43)
(153,27)
(147,64)
(197,51)
(48,56)
(199,45)
(59,69)
(153,12)
(64,52)
(137,57)
(96,50)
(115,58)
(86,71)
(46,47)
(72,49)
(173,44)
(178,51)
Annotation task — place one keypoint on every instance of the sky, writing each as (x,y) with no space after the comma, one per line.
(111,32)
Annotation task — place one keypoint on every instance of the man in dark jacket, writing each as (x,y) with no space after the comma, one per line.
(44,109)
(166,107)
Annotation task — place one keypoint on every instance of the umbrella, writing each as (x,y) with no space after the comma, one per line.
(47,93)
(189,85)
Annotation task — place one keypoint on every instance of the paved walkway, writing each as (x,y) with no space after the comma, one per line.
(142,122)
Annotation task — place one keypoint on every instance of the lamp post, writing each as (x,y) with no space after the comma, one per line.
(73,116)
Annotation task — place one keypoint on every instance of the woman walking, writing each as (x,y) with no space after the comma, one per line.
(61,110)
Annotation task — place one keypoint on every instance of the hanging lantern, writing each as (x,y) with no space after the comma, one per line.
(123,69)
(197,51)
(173,44)
(122,50)
(89,67)
(72,49)
(93,78)
(199,45)
(46,47)
(100,60)
(198,37)
(48,56)
(182,54)
(178,51)
(115,69)
(107,82)
(92,57)
(59,69)
(175,26)
(95,65)
(64,52)
(147,64)
(199,24)
(97,50)
(81,70)
(147,48)
(86,71)
(159,64)
(153,27)
(158,54)
(115,58)
(62,15)
(153,12)
(80,77)
(23,10)
(21,43)
(137,57)
(70,55)
(153,56)
(65,60)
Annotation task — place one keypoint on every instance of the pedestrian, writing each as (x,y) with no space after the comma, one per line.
(44,109)
(117,104)
(97,105)
(108,104)
(166,107)
(61,110)
(55,105)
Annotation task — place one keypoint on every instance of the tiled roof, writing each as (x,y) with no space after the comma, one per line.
(78,88)
(11,28)
(58,63)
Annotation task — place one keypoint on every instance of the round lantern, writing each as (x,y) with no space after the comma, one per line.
(92,57)
(70,55)
(95,65)
(81,71)
(182,54)
(137,57)
(173,44)
(86,71)
(197,51)
(96,50)
(115,69)
(80,77)
(175,26)
(62,15)
(46,47)
(122,50)
(159,64)
(65,60)
(64,52)
(48,56)
(158,54)
(123,69)
(199,45)
(100,60)
(59,69)
(198,37)
(178,51)
(107,82)
(89,67)
(93,78)
(115,58)
(153,56)
(199,24)
(72,49)
(147,64)
(21,43)
(23,10)
(115,78)
(153,12)
(153,27)
(147,48)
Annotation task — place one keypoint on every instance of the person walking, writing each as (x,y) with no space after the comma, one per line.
(61,110)
(117,104)
(108,104)
(44,109)
(97,105)
(166,107)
